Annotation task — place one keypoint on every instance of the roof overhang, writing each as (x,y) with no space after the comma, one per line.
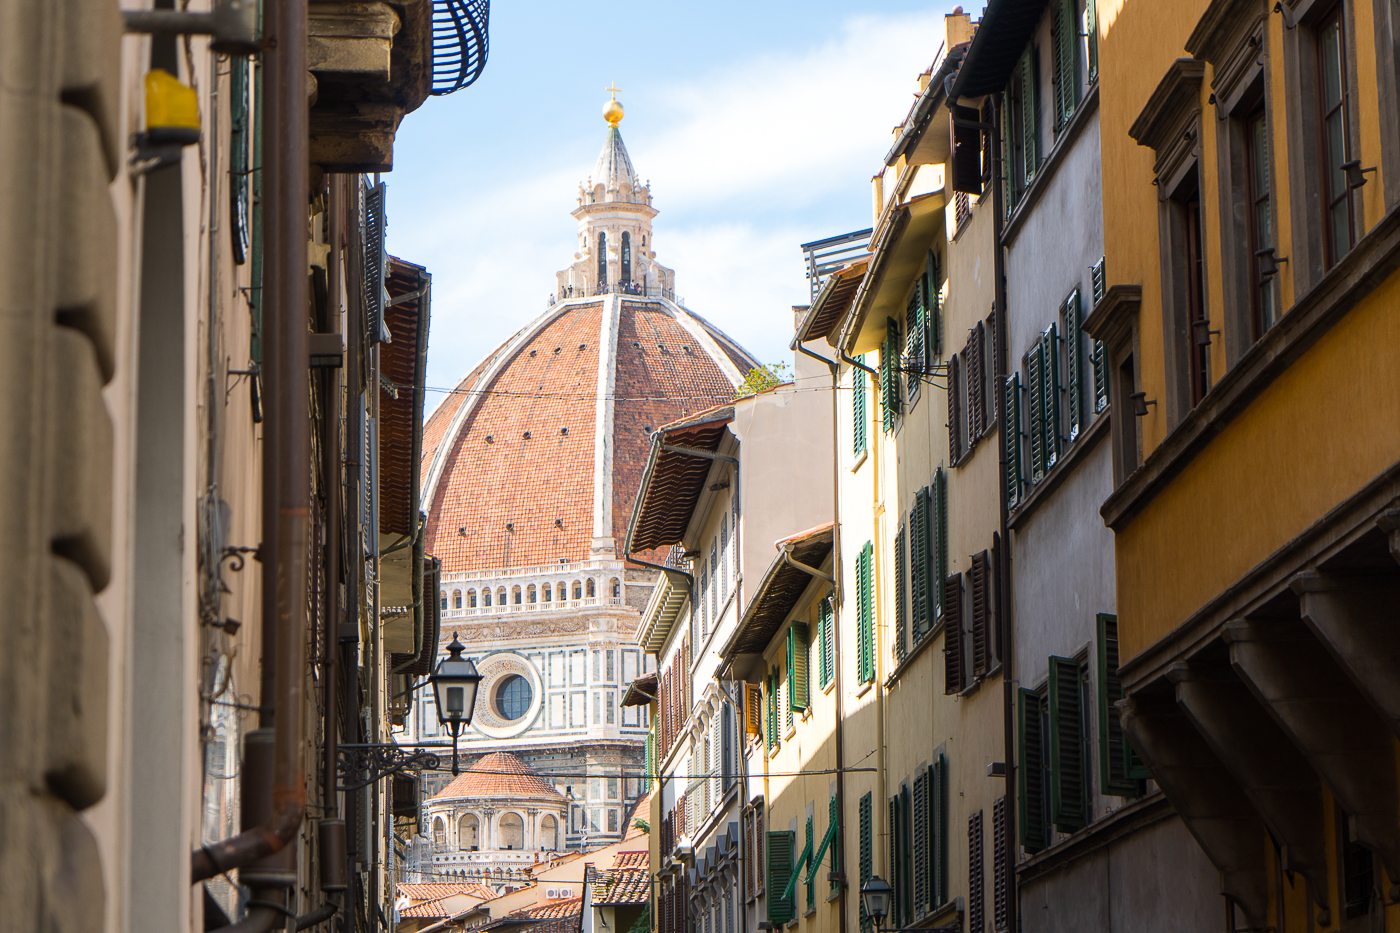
(899,256)
(641,691)
(1002,34)
(832,301)
(915,142)
(674,479)
(780,589)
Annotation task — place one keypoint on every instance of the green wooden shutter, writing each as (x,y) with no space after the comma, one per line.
(780,909)
(938,539)
(1030,116)
(238,157)
(834,815)
(865,621)
(1114,750)
(1011,459)
(914,328)
(901,590)
(919,826)
(1008,145)
(1067,777)
(889,374)
(1059,38)
(772,710)
(866,855)
(1099,285)
(1093,12)
(1035,413)
(650,761)
(799,683)
(255,273)
(1074,363)
(954,678)
(860,418)
(942,781)
(896,918)
(1030,768)
(1050,370)
(828,636)
(813,861)
(933,291)
(1067,61)
(920,566)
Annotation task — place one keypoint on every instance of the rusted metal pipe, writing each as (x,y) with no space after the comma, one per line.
(331,470)
(284,283)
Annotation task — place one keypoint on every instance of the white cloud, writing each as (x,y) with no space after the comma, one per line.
(751,159)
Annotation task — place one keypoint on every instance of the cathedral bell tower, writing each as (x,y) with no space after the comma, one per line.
(614,214)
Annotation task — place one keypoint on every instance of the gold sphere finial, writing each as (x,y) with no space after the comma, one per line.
(612,110)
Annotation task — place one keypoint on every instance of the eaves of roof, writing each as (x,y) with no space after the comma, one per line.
(674,480)
(925,108)
(899,255)
(641,691)
(779,590)
(1002,34)
(661,612)
(831,304)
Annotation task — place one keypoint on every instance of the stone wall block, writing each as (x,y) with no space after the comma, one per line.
(76,739)
(91,81)
(80,477)
(87,261)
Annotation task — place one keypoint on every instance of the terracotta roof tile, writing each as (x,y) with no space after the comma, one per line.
(630,860)
(554,909)
(429,890)
(499,774)
(622,886)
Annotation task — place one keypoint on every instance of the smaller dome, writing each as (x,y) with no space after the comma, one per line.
(499,774)
(612,112)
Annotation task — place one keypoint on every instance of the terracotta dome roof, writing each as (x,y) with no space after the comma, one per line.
(537,455)
(499,774)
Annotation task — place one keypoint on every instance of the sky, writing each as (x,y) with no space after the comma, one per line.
(758,124)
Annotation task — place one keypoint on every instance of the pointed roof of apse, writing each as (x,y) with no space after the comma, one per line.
(614,164)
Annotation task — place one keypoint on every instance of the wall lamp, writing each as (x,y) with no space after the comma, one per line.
(454,684)
(1202,332)
(1268,261)
(875,897)
(1356,175)
(1140,403)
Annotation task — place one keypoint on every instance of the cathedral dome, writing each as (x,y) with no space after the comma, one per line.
(535,457)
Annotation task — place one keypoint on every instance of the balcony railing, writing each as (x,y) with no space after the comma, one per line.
(615,288)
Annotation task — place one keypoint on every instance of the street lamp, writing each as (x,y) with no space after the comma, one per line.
(875,895)
(454,684)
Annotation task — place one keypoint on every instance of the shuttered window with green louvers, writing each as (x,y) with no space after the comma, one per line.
(785,698)
(901,590)
(1100,352)
(919,843)
(889,375)
(938,540)
(915,329)
(1030,769)
(780,909)
(921,601)
(771,710)
(1092,12)
(833,814)
(1007,123)
(1064,39)
(650,761)
(1121,772)
(826,625)
(939,835)
(1074,365)
(860,416)
(238,157)
(799,686)
(867,865)
(811,888)
(1011,453)
(1051,390)
(1068,776)
(865,617)
(896,879)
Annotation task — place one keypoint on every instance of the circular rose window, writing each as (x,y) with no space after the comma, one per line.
(513,696)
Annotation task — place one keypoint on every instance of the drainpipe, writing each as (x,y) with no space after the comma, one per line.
(284,283)
(331,470)
(839,841)
(1008,675)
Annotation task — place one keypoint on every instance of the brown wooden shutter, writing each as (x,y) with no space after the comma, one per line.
(954,409)
(979,585)
(753,710)
(952,635)
(976,896)
(976,408)
(999,893)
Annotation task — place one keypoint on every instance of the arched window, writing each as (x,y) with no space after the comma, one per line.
(486,597)
(512,831)
(546,593)
(516,593)
(501,596)
(530,593)
(578,590)
(591,592)
(602,259)
(439,832)
(467,831)
(549,834)
(626,259)
(456,599)
(444,599)
(471,598)
(616,588)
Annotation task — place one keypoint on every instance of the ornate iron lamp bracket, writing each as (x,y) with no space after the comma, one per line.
(365,764)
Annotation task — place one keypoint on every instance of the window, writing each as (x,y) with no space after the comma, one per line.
(439,833)
(513,696)
(901,588)
(597,665)
(590,589)
(1099,284)
(825,624)
(548,593)
(530,594)
(1193,271)
(976,871)
(612,788)
(865,618)
(955,409)
(456,599)
(1334,125)
(610,667)
(770,711)
(467,830)
(1021,128)
(1043,390)
(954,666)
(975,382)
(889,375)
(1011,464)
(1357,883)
(501,596)
(1127,452)
(578,590)
(612,707)
(915,327)
(901,856)
(626,277)
(1261,235)
(962,209)
(1064,80)
(443,604)
(1054,770)
(515,591)
(1121,772)
(798,687)
(833,815)
(981,586)
(867,866)
(602,260)
(859,416)
(1071,323)
(714,581)
(781,908)
(486,597)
